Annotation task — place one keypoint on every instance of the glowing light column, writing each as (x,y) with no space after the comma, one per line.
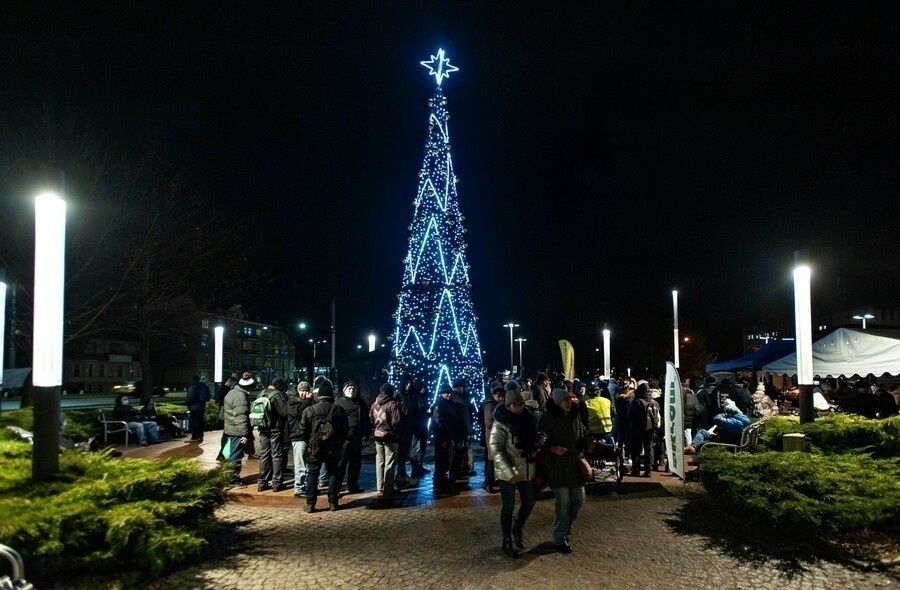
(803,325)
(2,322)
(47,356)
(675,314)
(218,339)
(607,369)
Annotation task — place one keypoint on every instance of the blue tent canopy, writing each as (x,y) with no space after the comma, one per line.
(766,354)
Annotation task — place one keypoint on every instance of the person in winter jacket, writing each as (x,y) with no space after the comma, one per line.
(324,410)
(600,416)
(421,414)
(729,427)
(563,448)
(640,436)
(620,426)
(386,421)
(406,397)
(237,427)
(498,392)
(358,421)
(763,406)
(446,428)
(513,441)
(147,431)
(295,408)
(271,438)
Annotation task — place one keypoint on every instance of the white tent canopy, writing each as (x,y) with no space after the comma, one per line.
(848,351)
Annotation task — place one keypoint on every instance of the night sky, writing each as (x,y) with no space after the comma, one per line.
(605,156)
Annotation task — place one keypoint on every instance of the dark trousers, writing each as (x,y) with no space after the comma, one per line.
(197,422)
(351,462)
(459,455)
(441,462)
(271,458)
(417,450)
(403,453)
(645,443)
(315,467)
(508,497)
(489,469)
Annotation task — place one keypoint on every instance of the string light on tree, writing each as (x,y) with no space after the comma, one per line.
(435,340)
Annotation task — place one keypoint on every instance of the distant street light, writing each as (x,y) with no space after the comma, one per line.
(302,325)
(371,342)
(521,358)
(511,326)
(47,356)
(864,317)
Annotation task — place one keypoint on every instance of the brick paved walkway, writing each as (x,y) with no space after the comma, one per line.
(643,537)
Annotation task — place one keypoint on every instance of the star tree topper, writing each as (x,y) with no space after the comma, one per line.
(439,66)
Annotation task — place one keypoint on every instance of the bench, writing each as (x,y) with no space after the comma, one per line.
(113,427)
(749,439)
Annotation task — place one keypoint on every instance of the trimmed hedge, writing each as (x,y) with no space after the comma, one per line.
(838,433)
(102,513)
(796,493)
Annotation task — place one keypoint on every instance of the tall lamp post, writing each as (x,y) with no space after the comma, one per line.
(218,339)
(803,326)
(2,323)
(47,355)
(864,317)
(511,326)
(607,370)
(521,358)
(675,315)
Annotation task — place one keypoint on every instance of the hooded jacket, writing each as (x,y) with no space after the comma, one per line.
(386,419)
(513,441)
(637,418)
(237,413)
(564,430)
(295,408)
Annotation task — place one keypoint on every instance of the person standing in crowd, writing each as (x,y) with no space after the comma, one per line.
(600,416)
(763,406)
(386,421)
(622,401)
(459,457)
(563,448)
(405,399)
(237,428)
(642,428)
(195,398)
(221,392)
(297,404)
(271,433)
(498,393)
(540,393)
(420,431)
(147,431)
(659,439)
(446,428)
(691,407)
(324,428)
(513,441)
(358,423)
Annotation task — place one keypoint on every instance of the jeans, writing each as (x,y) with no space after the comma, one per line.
(701,438)
(314,467)
(508,496)
(417,450)
(645,442)
(385,456)
(351,462)
(300,466)
(146,431)
(568,503)
(271,458)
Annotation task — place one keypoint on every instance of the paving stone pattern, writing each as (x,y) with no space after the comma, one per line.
(640,538)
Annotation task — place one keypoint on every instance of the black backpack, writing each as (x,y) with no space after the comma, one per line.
(651,411)
(322,436)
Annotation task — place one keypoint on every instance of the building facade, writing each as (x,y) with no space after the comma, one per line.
(102,364)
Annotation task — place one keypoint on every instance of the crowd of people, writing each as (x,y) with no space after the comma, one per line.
(536,434)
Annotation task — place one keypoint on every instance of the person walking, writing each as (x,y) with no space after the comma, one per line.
(386,420)
(498,391)
(295,408)
(195,398)
(358,423)
(513,441)
(563,448)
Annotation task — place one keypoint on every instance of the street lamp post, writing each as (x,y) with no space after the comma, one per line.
(2,321)
(521,358)
(511,326)
(803,326)
(47,356)
(607,370)
(675,315)
(218,339)
(864,317)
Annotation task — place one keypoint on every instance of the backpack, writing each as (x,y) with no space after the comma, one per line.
(651,411)
(259,410)
(321,439)
(204,394)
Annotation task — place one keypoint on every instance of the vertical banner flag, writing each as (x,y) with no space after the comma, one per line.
(568,358)
(674,411)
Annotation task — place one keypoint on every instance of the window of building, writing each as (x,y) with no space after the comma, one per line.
(101,370)
(247,345)
(204,360)
(248,331)
(204,323)
(76,370)
(204,341)
(258,347)
(120,370)
(90,370)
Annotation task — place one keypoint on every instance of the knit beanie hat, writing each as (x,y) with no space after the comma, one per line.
(280,384)
(559,395)
(760,387)
(387,389)
(514,393)
(731,409)
(326,389)
(495,386)
(303,386)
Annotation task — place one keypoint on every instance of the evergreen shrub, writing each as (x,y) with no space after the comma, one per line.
(838,433)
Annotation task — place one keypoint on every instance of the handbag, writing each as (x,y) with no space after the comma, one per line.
(586,470)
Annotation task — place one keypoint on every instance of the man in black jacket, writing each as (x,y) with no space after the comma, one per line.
(327,453)
(358,429)
(297,404)
(195,398)
(446,428)
(271,443)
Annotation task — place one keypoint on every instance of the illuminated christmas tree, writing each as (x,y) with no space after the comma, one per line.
(435,340)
